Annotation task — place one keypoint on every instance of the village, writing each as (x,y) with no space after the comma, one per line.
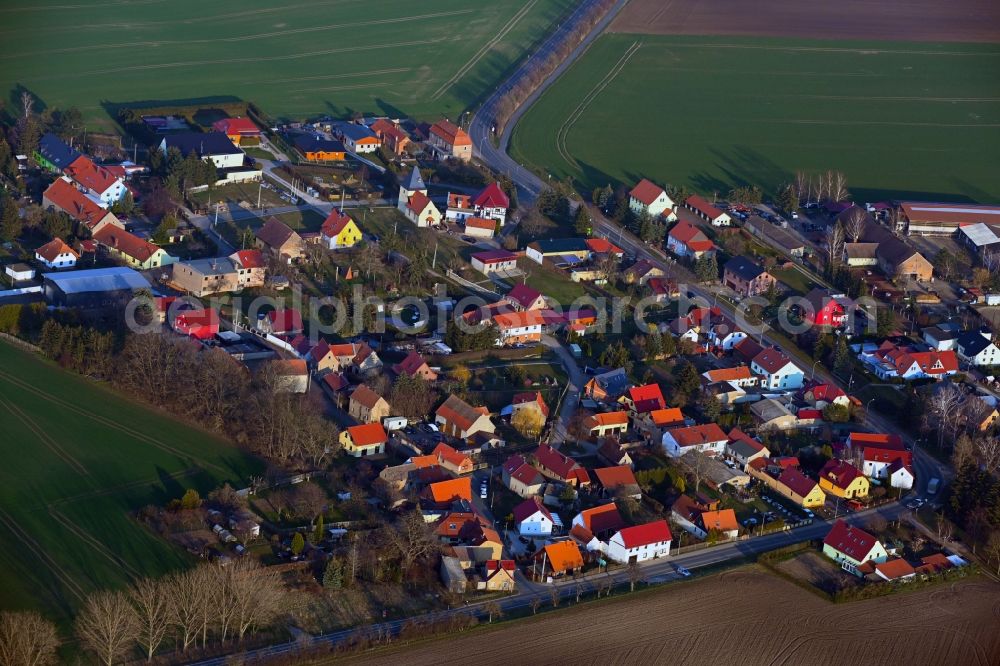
(494,401)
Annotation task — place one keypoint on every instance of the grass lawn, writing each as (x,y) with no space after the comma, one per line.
(795,279)
(327,57)
(899,119)
(237,192)
(78,460)
(259,153)
(553,283)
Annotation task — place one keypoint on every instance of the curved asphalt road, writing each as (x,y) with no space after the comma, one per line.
(483,122)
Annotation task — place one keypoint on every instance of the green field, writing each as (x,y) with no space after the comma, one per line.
(295,60)
(77,460)
(899,119)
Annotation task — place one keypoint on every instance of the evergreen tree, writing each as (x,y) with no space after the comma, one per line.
(318,530)
(842,355)
(10,220)
(582,224)
(298,544)
(333,576)
(707,268)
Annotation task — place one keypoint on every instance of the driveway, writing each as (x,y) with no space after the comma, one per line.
(571,397)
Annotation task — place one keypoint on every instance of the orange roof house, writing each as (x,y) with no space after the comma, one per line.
(61,195)
(445,492)
(457,418)
(723,521)
(452,460)
(687,240)
(562,557)
(364,440)
(603,519)
(450,140)
(238,129)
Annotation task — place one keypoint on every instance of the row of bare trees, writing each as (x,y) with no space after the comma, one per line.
(207,603)
(819,187)
(212,389)
(541,70)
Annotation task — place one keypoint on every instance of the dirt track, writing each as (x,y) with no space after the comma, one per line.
(741,617)
(908,20)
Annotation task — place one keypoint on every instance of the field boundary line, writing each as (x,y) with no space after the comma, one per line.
(24,537)
(486,48)
(44,437)
(110,490)
(240,38)
(598,88)
(109,423)
(832,49)
(242,61)
(93,543)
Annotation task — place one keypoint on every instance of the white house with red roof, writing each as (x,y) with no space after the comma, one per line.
(532,518)
(523,479)
(251,268)
(706,211)
(96,181)
(492,203)
(494,261)
(884,456)
(649,198)
(644,399)
(523,297)
(777,370)
(640,542)
(708,438)
(687,240)
(823,395)
(57,254)
(891,360)
(851,546)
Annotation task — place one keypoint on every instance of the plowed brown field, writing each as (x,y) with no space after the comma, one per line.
(908,20)
(741,617)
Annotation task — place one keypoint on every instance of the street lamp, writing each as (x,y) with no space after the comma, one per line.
(814,368)
(868,406)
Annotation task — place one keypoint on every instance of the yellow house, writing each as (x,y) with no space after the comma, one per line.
(130,249)
(364,440)
(339,231)
(842,479)
(790,483)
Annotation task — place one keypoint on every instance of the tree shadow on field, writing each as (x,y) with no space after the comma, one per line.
(741,166)
(169,488)
(197,103)
(871,194)
(388,109)
(591,177)
(12,112)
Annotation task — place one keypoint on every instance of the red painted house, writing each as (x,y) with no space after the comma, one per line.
(827,308)
(200,324)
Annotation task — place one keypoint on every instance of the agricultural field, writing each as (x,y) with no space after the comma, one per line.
(294,60)
(910,20)
(899,119)
(766,620)
(78,459)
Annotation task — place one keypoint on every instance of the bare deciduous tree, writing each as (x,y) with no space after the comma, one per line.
(554,596)
(838,186)
(151,605)
(835,244)
(256,594)
(27,104)
(188,592)
(993,549)
(634,575)
(989,454)
(27,639)
(944,409)
(854,223)
(535,603)
(493,608)
(106,626)
(412,539)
